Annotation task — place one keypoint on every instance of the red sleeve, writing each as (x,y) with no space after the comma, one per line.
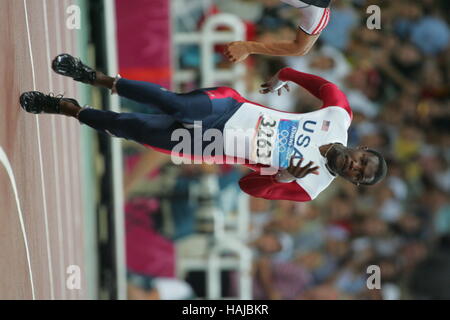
(267,187)
(328,92)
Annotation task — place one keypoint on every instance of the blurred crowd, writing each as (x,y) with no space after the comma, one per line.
(396,79)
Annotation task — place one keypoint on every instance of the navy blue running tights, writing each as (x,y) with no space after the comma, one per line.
(212,106)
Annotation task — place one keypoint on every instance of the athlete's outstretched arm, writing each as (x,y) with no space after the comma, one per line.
(267,187)
(328,92)
(239,50)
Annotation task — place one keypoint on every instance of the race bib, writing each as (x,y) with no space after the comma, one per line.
(273,142)
(263,145)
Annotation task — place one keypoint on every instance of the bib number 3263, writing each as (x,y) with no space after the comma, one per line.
(265,140)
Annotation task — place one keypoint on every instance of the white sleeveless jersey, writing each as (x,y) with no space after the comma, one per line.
(271,137)
(312,19)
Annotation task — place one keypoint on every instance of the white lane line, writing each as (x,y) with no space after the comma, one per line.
(44,199)
(64,128)
(29,45)
(4,160)
(55,153)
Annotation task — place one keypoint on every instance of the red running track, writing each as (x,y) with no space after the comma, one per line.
(41,222)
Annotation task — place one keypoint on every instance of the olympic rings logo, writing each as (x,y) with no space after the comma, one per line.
(283,140)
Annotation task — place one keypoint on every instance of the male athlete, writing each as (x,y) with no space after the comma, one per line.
(314,17)
(308,150)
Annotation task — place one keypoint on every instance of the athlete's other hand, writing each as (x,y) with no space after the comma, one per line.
(237,51)
(295,171)
(300,172)
(274,85)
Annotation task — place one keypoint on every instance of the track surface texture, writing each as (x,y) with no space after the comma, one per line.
(41,229)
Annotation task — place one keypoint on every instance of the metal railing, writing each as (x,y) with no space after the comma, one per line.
(206,39)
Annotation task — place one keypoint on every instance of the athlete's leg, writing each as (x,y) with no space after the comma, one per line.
(154,130)
(104,81)
(186,108)
(209,105)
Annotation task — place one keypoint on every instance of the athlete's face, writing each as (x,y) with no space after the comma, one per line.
(355,165)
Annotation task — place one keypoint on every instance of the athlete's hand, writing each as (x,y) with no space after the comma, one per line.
(296,171)
(300,172)
(237,51)
(274,85)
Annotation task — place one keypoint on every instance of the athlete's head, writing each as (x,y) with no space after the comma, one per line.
(361,166)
